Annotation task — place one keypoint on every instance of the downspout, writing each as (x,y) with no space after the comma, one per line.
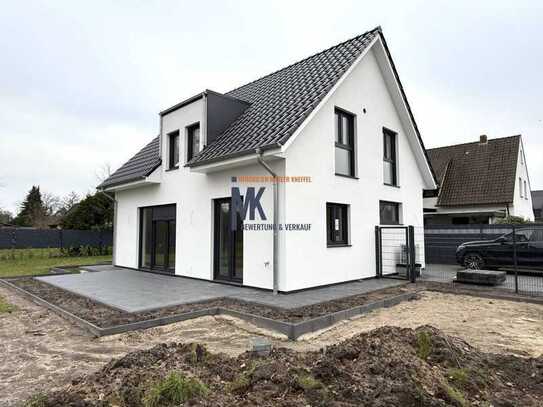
(275,221)
(114,224)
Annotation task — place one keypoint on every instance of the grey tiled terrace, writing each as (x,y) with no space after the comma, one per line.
(135,291)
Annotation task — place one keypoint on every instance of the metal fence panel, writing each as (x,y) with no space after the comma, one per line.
(33,238)
(20,238)
(515,251)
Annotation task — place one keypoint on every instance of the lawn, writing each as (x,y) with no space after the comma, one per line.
(39,261)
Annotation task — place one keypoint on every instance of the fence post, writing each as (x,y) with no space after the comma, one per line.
(411,253)
(515,259)
(377,253)
(60,239)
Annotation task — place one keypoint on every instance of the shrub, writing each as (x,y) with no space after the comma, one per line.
(512,220)
(174,390)
(424,345)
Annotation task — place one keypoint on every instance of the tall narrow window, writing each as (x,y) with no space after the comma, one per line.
(174,149)
(520,187)
(193,140)
(344,129)
(389,213)
(389,158)
(337,221)
(525,190)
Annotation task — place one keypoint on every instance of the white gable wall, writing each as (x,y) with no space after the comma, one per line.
(522,206)
(309,261)
(193,193)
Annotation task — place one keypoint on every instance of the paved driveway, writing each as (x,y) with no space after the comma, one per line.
(136,291)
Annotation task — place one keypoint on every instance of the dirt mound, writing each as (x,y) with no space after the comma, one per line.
(386,367)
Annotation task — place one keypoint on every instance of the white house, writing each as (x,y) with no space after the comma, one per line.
(336,130)
(479,182)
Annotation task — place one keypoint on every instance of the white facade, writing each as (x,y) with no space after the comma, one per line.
(368,90)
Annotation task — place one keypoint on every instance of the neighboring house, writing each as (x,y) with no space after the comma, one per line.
(339,119)
(479,182)
(537,202)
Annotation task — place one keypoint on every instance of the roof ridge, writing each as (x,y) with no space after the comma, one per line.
(473,142)
(376,29)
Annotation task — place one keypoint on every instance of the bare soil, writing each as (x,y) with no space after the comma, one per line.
(41,351)
(104,316)
(388,366)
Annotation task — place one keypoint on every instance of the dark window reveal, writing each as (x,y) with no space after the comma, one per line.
(193,140)
(344,129)
(174,150)
(337,224)
(389,158)
(389,213)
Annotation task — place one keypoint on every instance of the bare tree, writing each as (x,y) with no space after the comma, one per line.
(51,203)
(103,172)
(68,202)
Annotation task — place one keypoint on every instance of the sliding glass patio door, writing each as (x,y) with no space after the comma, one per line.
(157,238)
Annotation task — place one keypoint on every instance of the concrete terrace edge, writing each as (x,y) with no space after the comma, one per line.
(293,330)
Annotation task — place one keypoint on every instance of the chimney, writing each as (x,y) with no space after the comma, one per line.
(483,139)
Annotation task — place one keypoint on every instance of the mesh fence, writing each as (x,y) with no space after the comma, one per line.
(514,250)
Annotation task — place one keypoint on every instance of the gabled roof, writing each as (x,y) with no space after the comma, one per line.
(476,173)
(138,167)
(279,104)
(282,100)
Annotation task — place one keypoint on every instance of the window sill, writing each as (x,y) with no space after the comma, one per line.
(346,176)
(391,185)
(338,245)
(172,169)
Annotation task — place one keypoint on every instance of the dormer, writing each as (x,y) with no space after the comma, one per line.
(191,125)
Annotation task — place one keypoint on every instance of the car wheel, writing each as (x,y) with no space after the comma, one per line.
(473,261)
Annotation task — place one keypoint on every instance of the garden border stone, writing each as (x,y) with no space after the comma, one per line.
(293,330)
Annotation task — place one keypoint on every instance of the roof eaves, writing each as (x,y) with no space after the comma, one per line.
(182,103)
(237,154)
(105,184)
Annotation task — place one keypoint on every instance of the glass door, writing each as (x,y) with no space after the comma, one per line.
(228,244)
(157,239)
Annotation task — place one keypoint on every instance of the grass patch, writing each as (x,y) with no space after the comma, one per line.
(174,390)
(243,381)
(5,307)
(455,396)
(307,382)
(37,400)
(424,345)
(458,376)
(41,265)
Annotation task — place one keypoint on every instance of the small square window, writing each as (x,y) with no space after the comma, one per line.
(174,150)
(337,222)
(193,141)
(389,213)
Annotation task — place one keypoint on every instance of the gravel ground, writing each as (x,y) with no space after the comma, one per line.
(41,350)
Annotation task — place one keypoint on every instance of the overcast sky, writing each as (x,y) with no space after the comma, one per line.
(81,83)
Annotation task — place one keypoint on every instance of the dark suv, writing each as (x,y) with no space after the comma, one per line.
(499,252)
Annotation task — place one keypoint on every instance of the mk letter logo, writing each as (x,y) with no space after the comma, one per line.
(240,205)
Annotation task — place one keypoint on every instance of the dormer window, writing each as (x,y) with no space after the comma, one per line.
(193,141)
(173,140)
